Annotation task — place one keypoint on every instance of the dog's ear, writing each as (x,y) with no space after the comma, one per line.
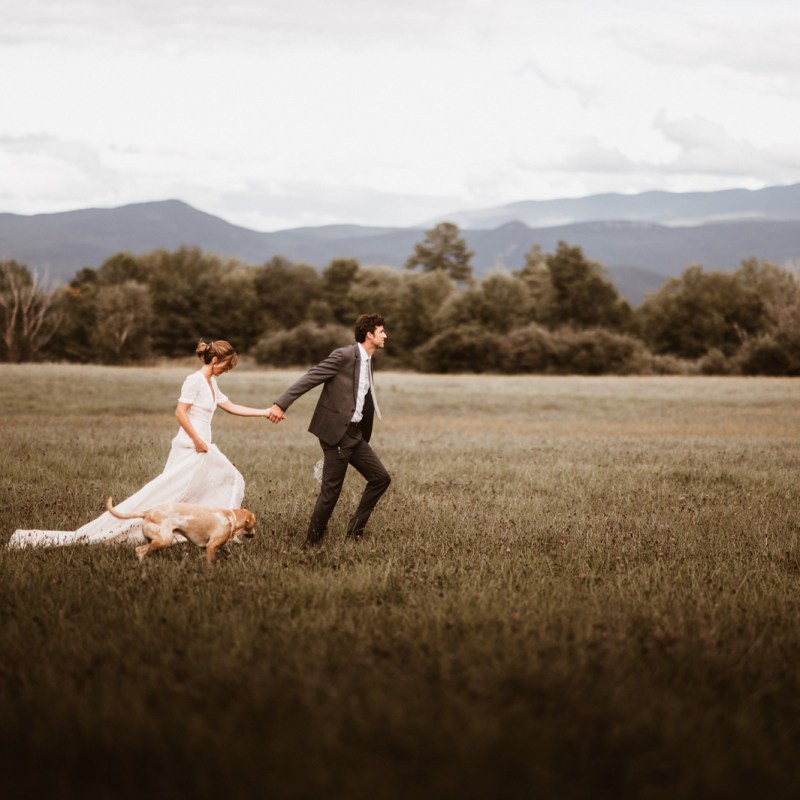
(245,517)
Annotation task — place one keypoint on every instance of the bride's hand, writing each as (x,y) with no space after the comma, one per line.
(200,446)
(275,413)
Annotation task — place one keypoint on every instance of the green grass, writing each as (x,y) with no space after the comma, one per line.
(575,587)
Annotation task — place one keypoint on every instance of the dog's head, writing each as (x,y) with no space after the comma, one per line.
(245,522)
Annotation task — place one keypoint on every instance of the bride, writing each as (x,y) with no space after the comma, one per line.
(196,470)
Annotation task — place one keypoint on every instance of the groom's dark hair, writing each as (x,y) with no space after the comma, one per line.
(367,323)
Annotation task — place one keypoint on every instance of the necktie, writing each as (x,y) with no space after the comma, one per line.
(372,389)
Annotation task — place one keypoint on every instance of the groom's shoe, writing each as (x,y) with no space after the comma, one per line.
(314,535)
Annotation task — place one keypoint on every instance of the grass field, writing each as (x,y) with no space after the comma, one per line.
(575,587)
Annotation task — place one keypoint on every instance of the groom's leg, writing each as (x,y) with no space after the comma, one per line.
(378,479)
(334,468)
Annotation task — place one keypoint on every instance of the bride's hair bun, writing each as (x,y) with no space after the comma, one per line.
(206,350)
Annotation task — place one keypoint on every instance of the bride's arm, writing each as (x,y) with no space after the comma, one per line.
(181,413)
(242,411)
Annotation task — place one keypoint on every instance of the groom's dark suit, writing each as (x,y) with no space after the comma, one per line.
(343,442)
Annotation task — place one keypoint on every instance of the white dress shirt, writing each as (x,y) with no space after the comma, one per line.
(363,384)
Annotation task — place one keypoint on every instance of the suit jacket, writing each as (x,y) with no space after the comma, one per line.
(339,374)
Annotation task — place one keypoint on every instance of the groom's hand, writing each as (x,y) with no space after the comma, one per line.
(275,413)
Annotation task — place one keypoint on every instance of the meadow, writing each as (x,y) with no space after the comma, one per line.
(575,587)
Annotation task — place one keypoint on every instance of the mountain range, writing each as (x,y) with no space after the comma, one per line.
(665,208)
(641,239)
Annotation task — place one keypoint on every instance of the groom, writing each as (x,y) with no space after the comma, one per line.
(342,421)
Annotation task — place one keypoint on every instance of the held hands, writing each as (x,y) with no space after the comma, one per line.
(275,414)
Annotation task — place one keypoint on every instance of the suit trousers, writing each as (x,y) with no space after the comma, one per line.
(351,450)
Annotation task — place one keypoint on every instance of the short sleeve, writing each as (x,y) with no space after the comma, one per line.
(191,388)
(221,398)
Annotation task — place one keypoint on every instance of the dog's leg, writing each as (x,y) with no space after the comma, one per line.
(218,541)
(150,531)
(142,550)
(211,550)
(160,536)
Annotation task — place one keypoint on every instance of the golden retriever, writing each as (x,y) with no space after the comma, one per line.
(206,527)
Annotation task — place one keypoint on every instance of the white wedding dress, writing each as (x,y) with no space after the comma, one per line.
(206,479)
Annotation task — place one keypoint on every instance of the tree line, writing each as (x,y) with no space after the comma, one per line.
(557,314)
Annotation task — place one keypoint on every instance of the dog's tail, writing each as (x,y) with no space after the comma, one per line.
(110,507)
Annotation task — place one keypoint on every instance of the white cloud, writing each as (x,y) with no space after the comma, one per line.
(271,113)
(705,146)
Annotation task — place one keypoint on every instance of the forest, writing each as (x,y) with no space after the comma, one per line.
(557,314)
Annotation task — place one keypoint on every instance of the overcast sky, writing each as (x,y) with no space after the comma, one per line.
(281,113)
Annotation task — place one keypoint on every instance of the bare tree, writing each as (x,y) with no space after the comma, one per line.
(28,313)
(124,316)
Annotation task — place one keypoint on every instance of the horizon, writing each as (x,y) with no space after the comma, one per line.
(423,224)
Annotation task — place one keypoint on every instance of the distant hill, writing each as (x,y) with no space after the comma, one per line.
(639,256)
(665,208)
(63,243)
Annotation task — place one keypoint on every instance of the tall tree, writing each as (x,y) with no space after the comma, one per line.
(576,292)
(498,303)
(535,275)
(284,291)
(198,294)
(124,316)
(777,288)
(775,350)
(123,267)
(421,298)
(443,250)
(699,311)
(192,294)
(77,303)
(337,280)
(376,290)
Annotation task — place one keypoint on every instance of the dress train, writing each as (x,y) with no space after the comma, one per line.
(206,479)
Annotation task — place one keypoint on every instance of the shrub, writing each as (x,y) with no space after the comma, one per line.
(303,345)
(598,352)
(533,349)
(526,350)
(464,348)
(715,362)
(669,365)
(769,355)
